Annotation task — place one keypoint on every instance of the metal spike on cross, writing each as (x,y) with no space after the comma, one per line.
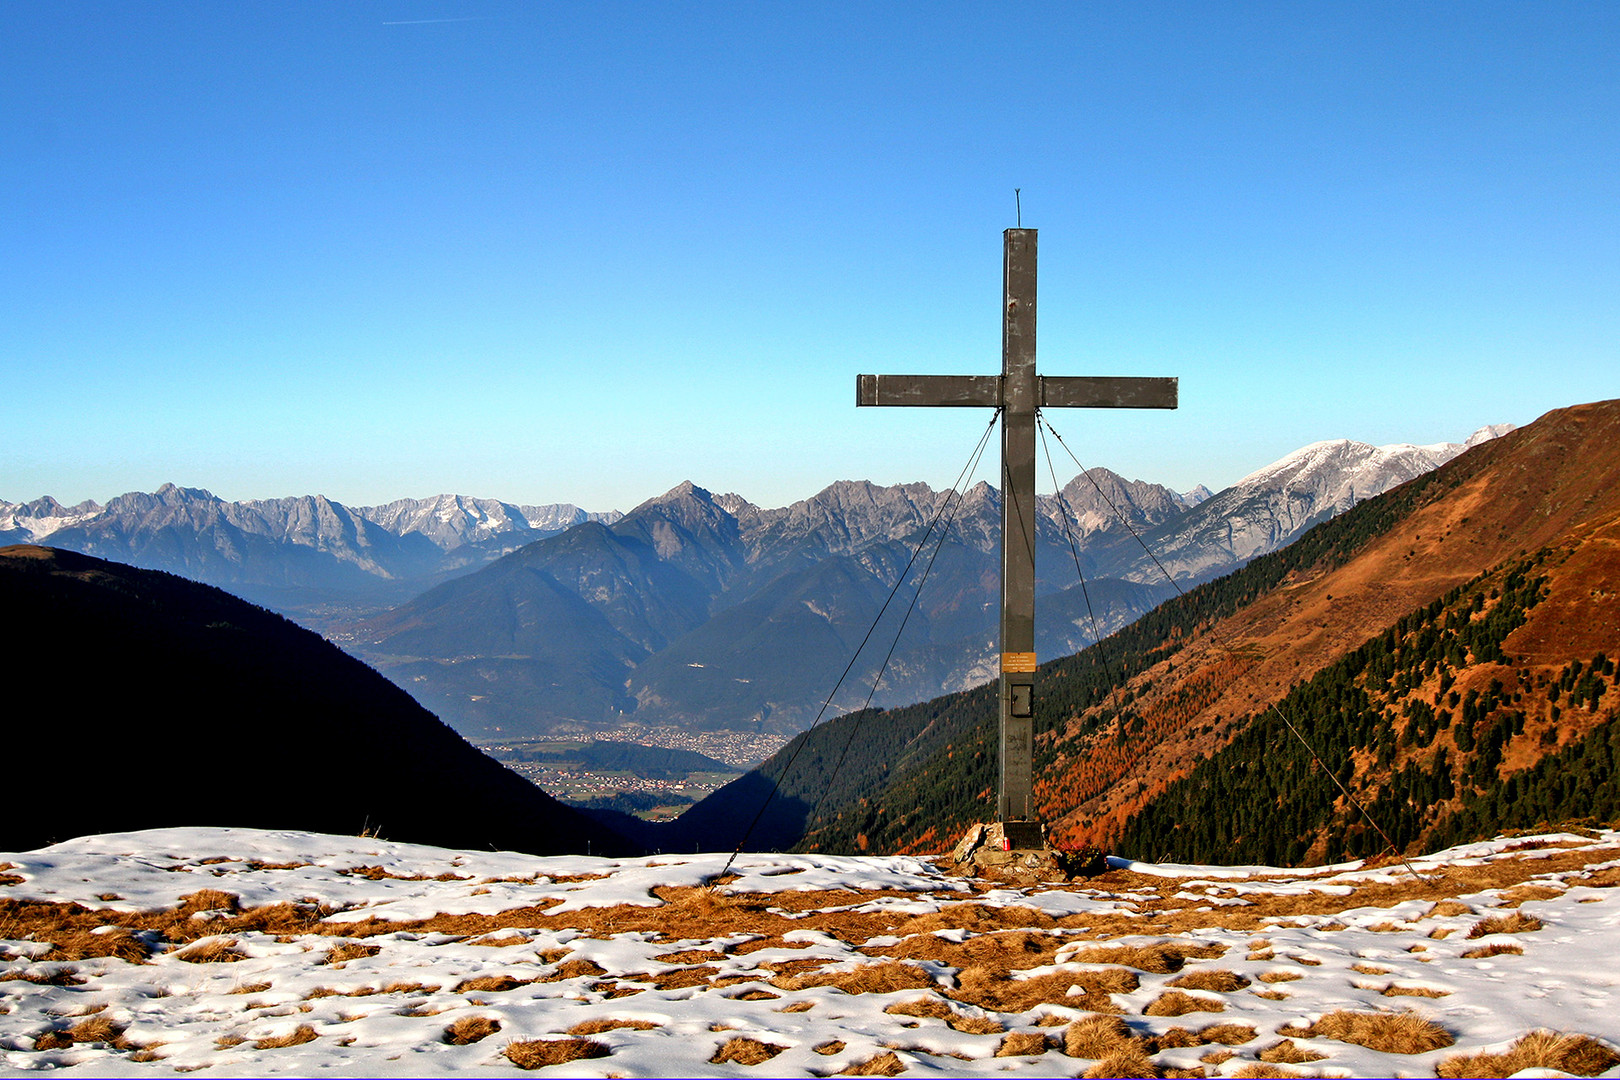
(1018,392)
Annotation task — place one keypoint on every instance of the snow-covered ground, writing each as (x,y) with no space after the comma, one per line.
(361,955)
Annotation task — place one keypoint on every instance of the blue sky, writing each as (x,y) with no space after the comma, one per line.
(567,252)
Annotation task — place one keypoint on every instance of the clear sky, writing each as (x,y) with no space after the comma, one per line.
(554,252)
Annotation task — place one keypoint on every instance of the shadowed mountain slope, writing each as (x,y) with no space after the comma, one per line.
(137,699)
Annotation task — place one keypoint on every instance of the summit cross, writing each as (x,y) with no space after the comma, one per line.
(1018,392)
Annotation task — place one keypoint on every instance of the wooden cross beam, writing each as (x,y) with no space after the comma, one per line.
(1018,391)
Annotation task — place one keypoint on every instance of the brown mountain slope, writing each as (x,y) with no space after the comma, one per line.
(1552,485)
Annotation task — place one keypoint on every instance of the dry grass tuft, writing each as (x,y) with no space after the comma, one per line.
(349,950)
(745,1051)
(1496,948)
(1156,959)
(1279,975)
(214,950)
(580,969)
(1263,1070)
(885,1064)
(251,988)
(1217,980)
(1289,1054)
(303,1033)
(797,1007)
(596,1027)
(490,984)
(538,1053)
(1098,1037)
(880,978)
(1176,1003)
(1131,1061)
(690,956)
(829,1048)
(1520,893)
(991,989)
(1516,923)
(936,1009)
(1369,969)
(1386,1032)
(1392,990)
(1227,1034)
(469,1029)
(62,976)
(1574,1054)
(1447,908)
(1022,1044)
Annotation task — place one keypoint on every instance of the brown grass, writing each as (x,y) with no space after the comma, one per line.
(349,950)
(1447,908)
(538,1053)
(1413,991)
(1217,980)
(1516,923)
(469,1029)
(95,1029)
(1264,1070)
(1369,969)
(879,978)
(1131,1061)
(1022,1044)
(1279,975)
(1176,1003)
(1495,948)
(937,1009)
(690,956)
(576,969)
(1289,1054)
(885,1064)
(303,1033)
(829,1048)
(991,989)
(1157,959)
(1520,893)
(1097,1036)
(797,1007)
(1574,1054)
(1227,1034)
(1386,1032)
(218,950)
(490,984)
(745,1051)
(596,1027)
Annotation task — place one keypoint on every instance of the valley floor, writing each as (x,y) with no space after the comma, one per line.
(258,953)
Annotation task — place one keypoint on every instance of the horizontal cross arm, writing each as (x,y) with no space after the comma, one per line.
(980,390)
(1087,392)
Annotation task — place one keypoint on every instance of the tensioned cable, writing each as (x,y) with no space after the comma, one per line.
(921,581)
(776,784)
(1063,510)
(1227,645)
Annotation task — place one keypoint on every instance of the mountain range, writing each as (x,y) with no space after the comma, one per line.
(703,610)
(302,555)
(696,609)
(1435,664)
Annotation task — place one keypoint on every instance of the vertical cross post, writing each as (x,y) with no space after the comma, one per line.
(1019,392)
(1018,401)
